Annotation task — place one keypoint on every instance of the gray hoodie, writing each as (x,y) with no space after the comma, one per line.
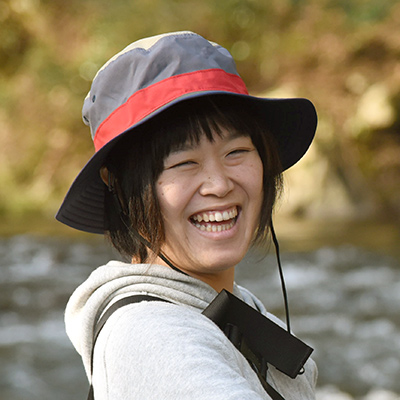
(158,350)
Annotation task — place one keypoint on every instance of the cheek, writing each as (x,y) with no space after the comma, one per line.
(256,189)
(166,188)
(170,198)
(164,195)
(255,176)
(258,193)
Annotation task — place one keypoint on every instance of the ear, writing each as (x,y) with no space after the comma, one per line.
(104,175)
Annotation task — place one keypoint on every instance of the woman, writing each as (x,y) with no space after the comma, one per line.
(184,179)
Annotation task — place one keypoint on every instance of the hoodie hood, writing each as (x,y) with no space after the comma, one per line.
(116,280)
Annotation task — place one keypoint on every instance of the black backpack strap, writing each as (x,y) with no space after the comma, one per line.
(257,363)
(121,303)
(100,324)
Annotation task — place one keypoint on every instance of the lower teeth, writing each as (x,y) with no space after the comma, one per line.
(215,228)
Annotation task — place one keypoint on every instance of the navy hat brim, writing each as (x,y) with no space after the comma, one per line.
(292,122)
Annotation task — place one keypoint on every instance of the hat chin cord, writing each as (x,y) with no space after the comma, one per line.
(282,278)
(125,220)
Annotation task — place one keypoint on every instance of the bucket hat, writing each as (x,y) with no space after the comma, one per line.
(150,76)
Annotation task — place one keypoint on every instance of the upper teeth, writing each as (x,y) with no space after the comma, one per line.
(215,216)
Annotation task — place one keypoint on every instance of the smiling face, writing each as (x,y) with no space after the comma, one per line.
(210,195)
(195,182)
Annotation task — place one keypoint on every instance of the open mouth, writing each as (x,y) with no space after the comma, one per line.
(215,221)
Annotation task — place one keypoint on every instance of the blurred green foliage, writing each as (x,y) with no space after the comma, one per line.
(331,51)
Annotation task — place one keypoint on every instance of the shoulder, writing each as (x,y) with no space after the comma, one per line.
(155,328)
(169,351)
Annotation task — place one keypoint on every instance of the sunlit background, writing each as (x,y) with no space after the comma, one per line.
(338,220)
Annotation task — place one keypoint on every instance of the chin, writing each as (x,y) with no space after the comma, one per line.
(222,264)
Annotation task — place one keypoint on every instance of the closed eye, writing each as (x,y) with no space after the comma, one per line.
(238,151)
(182,164)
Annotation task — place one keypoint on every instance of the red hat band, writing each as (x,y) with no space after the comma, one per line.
(145,101)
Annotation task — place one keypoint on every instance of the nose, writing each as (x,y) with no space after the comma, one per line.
(216,182)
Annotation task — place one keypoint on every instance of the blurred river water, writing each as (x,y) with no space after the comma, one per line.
(344,300)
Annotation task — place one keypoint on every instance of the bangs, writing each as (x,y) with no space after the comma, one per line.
(186,123)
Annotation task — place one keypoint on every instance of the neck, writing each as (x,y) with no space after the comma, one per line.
(218,280)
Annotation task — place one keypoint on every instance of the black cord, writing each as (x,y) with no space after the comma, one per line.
(283,285)
(148,244)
